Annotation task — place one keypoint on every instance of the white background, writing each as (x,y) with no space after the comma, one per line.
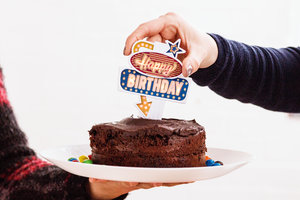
(61,61)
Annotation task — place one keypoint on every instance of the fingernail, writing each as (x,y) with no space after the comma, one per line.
(124,50)
(189,70)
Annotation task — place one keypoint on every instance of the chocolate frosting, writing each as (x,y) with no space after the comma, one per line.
(166,126)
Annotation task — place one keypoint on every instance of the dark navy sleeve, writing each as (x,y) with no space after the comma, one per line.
(267,77)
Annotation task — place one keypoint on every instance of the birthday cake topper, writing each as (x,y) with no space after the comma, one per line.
(156,73)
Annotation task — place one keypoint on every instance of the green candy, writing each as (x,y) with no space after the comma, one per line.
(88,161)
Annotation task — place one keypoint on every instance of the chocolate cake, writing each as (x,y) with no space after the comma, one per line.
(142,142)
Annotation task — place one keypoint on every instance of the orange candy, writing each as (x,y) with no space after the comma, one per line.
(207,158)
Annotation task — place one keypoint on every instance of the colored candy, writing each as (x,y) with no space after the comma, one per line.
(73,159)
(83,158)
(88,161)
(209,162)
(220,162)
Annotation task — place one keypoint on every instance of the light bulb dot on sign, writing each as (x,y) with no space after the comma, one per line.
(144,44)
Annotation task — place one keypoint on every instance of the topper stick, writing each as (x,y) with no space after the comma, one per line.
(157,109)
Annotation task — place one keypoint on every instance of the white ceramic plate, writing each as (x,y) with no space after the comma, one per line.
(231,159)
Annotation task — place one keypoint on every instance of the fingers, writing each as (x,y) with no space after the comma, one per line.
(155,38)
(145,185)
(174,184)
(151,185)
(136,184)
(191,63)
(127,184)
(130,184)
(157,184)
(147,29)
(95,180)
(166,26)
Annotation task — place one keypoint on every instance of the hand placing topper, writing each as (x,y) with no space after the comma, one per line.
(201,49)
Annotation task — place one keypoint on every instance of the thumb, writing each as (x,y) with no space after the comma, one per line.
(191,64)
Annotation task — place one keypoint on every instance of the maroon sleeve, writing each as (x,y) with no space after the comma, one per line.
(22,174)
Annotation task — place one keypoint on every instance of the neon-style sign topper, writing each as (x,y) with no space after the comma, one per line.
(155,71)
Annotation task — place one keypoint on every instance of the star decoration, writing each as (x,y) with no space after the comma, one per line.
(174,48)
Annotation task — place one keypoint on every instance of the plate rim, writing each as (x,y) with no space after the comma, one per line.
(250,159)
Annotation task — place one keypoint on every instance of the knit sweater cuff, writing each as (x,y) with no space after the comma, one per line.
(76,187)
(207,76)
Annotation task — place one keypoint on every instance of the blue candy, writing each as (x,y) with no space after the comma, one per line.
(210,162)
(72,159)
(216,164)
